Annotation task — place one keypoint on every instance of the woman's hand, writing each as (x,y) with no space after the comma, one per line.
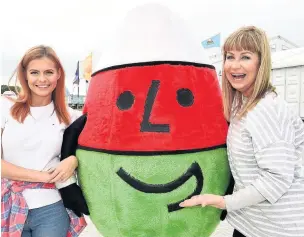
(205,200)
(43,176)
(64,170)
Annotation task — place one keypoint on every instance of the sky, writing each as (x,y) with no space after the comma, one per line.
(74,28)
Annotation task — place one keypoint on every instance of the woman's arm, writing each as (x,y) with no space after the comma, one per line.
(18,173)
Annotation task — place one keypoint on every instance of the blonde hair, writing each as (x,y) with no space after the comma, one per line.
(21,108)
(254,40)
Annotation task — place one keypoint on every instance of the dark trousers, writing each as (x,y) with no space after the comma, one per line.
(237,234)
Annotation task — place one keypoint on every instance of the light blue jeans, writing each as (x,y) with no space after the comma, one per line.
(48,221)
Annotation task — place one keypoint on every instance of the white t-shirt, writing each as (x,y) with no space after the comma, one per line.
(34,144)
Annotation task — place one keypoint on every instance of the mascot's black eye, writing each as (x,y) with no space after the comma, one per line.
(125,100)
(185,97)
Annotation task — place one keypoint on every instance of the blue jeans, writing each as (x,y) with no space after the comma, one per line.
(48,221)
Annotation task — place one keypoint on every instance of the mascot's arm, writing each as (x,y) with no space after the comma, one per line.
(228,191)
(71,194)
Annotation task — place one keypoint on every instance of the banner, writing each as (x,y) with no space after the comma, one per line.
(214,41)
(87,67)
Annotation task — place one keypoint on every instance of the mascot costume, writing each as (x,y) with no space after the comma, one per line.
(152,134)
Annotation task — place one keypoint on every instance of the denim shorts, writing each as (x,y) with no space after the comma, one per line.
(48,221)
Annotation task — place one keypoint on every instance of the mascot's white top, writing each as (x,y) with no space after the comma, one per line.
(152,32)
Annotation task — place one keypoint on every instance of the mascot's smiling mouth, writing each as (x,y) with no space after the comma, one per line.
(194,170)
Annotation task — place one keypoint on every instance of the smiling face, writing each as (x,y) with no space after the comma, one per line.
(241,68)
(155,135)
(42,76)
(160,107)
(138,195)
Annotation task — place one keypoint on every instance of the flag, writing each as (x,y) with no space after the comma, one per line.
(76,79)
(87,67)
(214,41)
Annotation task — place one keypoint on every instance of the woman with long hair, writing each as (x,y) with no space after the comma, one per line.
(32,127)
(265,145)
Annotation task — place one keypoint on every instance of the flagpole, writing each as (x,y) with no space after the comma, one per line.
(78,85)
(78,95)
(72,94)
(76,82)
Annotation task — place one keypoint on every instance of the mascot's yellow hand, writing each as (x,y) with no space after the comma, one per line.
(205,200)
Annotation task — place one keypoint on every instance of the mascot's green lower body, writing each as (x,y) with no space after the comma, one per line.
(138,196)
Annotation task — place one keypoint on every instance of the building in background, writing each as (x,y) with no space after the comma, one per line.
(279,43)
(288,77)
(74,101)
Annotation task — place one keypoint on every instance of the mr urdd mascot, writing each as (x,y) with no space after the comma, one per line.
(153,132)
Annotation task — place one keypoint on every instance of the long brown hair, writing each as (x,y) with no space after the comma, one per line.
(21,108)
(254,40)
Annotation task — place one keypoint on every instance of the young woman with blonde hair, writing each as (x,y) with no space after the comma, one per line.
(265,145)
(32,127)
